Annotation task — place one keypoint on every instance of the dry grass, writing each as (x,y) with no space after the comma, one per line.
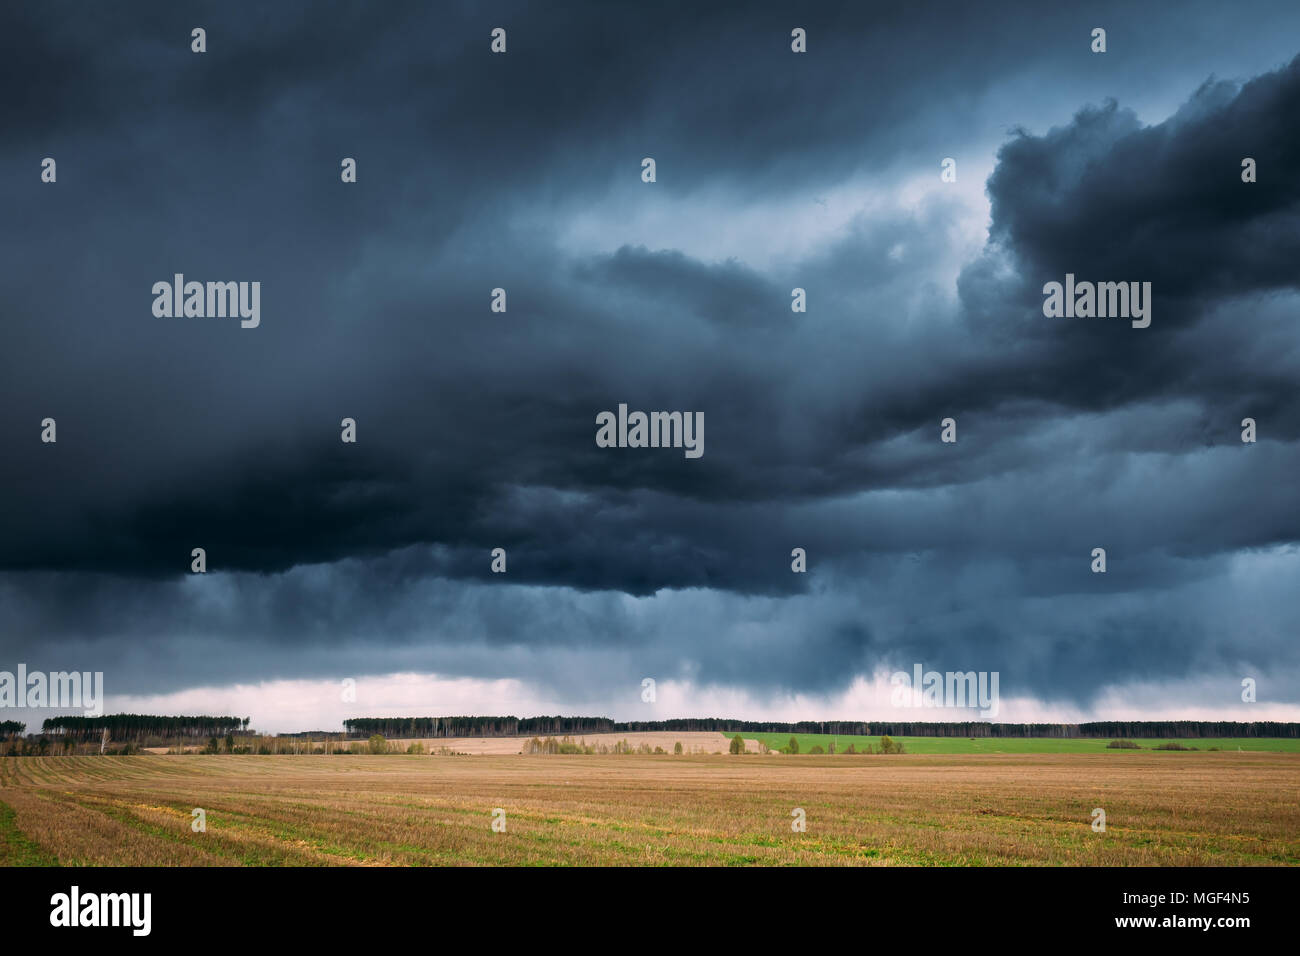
(1162,809)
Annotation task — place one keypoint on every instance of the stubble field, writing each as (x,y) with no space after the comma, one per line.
(1161,809)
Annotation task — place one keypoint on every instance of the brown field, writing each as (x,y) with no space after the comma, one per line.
(1162,809)
(693,741)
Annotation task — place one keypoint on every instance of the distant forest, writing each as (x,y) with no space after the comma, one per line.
(143,726)
(552,726)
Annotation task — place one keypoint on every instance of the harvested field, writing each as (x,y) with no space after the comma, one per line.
(1161,809)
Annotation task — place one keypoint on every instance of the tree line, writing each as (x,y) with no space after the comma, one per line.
(549,726)
(142,726)
(477,726)
(139,727)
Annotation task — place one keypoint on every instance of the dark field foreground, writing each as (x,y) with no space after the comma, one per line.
(1161,809)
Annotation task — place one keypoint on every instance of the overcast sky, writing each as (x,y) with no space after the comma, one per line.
(476,430)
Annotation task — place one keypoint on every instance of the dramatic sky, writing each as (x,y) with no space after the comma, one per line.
(476,430)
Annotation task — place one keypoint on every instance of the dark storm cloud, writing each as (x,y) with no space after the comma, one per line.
(477,429)
(1106,198)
